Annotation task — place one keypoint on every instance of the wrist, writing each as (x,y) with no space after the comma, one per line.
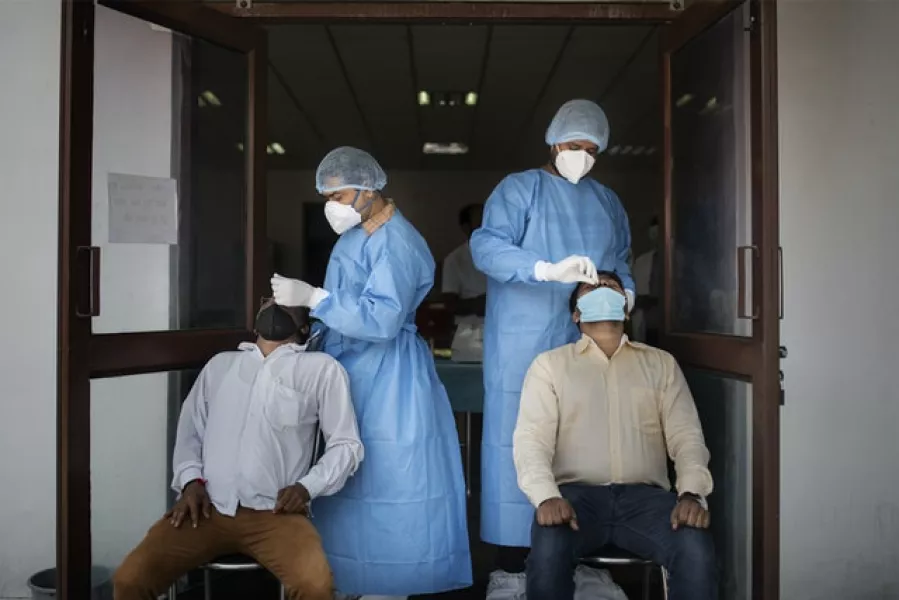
(540,270)
(199,481)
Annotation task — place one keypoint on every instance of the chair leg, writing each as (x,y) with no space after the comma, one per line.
(665,582)
(647,582)
(207,585)
(173,591)
(281,593)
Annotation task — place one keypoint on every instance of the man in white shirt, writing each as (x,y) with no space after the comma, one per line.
(598,420)
(464,287)
(245,442)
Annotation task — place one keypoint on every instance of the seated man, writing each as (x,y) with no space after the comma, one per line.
(590,446)
(245,442)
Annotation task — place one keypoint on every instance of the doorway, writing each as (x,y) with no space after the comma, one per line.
(222,244)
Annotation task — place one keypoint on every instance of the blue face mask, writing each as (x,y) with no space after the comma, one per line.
(602,304)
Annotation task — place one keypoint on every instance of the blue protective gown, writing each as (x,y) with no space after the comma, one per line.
(532,216)
(399,526)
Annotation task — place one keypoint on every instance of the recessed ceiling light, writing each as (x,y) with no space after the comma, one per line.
(211,98)
(710,106)
(424,98)
(201,103)
(651,151)
(471,98)
(278,149)
(240,146)
(639,150)
(627,149)
(683,100)
(269,150)
(614,150)
(452,148)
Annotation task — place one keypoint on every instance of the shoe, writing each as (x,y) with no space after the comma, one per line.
(506,586)
(595,584)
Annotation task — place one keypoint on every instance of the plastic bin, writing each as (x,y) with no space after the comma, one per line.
(43,584)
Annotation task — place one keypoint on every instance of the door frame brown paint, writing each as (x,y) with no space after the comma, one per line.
(753,358)
(82,356)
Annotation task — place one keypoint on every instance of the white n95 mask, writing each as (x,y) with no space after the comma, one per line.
(574,164)
(341,217)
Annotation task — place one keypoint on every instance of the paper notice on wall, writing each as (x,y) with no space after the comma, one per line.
(142,210)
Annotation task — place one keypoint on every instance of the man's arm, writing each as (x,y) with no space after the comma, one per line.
(337,418)
(683,434)
(534,440)
(187,458)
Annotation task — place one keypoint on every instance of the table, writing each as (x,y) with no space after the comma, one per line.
(464,383)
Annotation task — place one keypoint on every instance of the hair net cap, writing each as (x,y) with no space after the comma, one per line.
(579,120)
(349,168)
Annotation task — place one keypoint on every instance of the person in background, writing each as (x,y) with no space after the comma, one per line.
(464,287)
(245,441)
(599,419)
(647,268)
(544,230)
(399,527)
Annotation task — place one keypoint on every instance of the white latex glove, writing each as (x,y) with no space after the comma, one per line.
(573,269)
(293,292)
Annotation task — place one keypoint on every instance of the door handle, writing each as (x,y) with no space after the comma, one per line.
(742,308)
(87,259)
(780,276)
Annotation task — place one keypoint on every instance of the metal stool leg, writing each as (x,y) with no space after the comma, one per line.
(173,591)
(207,585)
(468,454)
(281,593)
(665,582)
(647,582)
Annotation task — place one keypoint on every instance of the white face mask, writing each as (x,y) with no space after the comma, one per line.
(341,217)
(574,164)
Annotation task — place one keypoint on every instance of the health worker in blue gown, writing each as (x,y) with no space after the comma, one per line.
(398,527)
(544,230)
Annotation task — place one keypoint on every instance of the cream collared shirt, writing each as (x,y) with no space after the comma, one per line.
(586,418)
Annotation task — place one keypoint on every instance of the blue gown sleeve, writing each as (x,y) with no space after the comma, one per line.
(495,246)
(623,248)
(378,313)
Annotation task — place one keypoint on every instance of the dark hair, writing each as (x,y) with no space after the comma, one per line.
(572,300)
(465,214)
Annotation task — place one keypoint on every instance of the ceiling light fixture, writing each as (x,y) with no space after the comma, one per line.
(269,150)
(639,150)
(278,149)
(471,98)
(710,106)
(452,149)
(651,151)
(424,98)
(627,149)
(683,100)
(614,150)
(201,103)
(240,146)
(211,98)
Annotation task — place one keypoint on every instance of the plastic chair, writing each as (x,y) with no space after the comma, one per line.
(232,562)
(612,556)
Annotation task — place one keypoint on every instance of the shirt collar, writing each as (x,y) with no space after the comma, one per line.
(253,347)
(586,342)
(379,218)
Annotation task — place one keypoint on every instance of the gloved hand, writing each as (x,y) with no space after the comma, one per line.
(293,292)
(573,269)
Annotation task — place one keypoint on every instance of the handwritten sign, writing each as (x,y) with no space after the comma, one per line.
(142,210)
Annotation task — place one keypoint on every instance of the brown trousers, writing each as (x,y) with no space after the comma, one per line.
(288,546)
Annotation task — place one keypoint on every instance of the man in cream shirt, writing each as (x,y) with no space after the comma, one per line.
(598,420)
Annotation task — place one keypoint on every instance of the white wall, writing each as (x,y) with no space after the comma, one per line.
(431,200)
(839,182)
(132,134)
(29,126)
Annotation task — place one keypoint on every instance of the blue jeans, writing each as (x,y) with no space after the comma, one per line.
(636,518)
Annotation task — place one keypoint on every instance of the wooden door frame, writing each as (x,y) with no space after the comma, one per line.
(754,357)
(82,355)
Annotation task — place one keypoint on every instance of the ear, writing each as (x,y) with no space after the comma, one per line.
(576,316)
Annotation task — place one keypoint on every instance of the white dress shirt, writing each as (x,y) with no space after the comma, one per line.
(460,277)
(249,426)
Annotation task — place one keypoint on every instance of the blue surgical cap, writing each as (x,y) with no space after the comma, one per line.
(349,168)
(579,120)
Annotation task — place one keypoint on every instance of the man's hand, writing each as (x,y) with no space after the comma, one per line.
(556,511)
(293,500)
(690,512)
(194,502)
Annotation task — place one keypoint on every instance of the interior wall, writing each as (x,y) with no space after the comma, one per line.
(431,200)
(29,208)
(839,147)
(132,135)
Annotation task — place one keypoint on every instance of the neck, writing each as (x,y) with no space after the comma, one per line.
(377,205)
(606,335)
(268,346)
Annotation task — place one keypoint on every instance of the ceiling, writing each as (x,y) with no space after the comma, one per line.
(333,85)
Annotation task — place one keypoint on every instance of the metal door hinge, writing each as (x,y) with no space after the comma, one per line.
(243,4)
(677,5)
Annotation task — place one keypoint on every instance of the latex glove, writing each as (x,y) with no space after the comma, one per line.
(293,292)
(573,269)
